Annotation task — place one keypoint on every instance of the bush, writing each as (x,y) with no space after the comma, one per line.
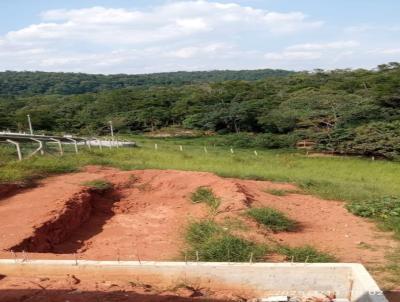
(380,139)
(272,219)
(250,140)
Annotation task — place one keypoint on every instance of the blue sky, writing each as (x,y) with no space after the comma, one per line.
(120,36)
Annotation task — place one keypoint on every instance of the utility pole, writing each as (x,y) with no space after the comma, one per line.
(112,131)
(30,124)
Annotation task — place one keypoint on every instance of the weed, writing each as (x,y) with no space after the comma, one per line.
(99,184)
(385,210)
(199,232)
(305,254)
(229,248)
(272,219)
(233,223)
(207,196)
(210,242)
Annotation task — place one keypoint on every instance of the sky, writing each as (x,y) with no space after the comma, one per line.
(135,37)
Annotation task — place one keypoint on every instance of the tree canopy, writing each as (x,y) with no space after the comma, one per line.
(344,111)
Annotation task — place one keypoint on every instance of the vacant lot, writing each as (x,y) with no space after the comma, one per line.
(150,199)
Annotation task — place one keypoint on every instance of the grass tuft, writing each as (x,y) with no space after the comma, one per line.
(279,192)
(305,254)
(207,196)
(211,242)
(272,219)
(99,184)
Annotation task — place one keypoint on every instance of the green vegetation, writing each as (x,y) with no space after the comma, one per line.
(353,180)
(65,83)
(99,184)
(272,219)
(305,254)
(210,242)
(353,112)
(206,195)
(385,210)
(278,192)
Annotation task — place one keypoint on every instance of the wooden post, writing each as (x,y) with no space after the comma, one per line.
(16,144)
(180,148)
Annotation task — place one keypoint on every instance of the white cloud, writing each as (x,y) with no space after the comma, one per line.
(324,46)
(204,34)
(293,55)
(366,28)
(313,51)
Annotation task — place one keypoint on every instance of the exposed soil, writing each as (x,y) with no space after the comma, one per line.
(73,289)
(8,189)
(145,214)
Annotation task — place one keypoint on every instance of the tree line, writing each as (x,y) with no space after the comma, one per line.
(342,111)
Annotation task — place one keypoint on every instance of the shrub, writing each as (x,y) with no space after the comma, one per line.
(272,219)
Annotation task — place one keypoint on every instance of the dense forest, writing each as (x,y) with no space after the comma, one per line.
(32,83)
(342,111)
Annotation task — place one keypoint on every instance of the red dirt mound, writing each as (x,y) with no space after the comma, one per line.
(145,215)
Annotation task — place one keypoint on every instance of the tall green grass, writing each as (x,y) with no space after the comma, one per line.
(341,178)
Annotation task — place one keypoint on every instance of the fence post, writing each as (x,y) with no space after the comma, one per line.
(18,148)
(40,148)
(60,148)
(75,143)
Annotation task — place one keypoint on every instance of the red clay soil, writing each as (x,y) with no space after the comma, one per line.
(70,288)
(145,215)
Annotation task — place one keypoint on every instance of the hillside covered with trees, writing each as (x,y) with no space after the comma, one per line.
(33,83)
(343,111)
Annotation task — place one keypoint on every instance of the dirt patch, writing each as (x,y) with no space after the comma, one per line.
(146,213)
(7,190)
(326,225)
(70,288)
